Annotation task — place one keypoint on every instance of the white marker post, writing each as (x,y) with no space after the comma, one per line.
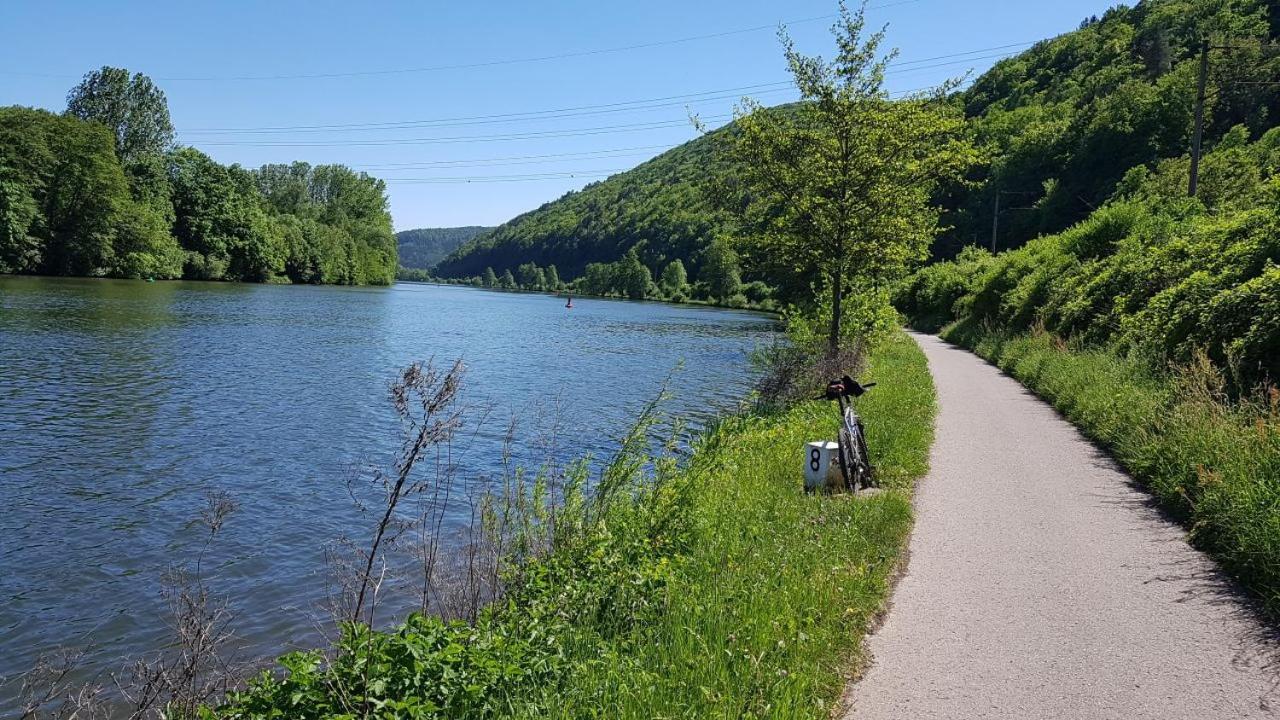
(821,465)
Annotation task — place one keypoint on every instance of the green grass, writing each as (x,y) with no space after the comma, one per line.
(1212,461)
(713,589)
(765,615)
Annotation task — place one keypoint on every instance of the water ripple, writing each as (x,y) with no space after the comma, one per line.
(122,403)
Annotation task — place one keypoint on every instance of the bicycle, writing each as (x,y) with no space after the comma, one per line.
(855,458)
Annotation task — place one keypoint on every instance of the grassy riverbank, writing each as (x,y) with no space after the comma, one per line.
(1212,461)
(715,588)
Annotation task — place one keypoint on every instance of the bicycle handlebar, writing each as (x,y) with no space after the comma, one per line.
(845,387)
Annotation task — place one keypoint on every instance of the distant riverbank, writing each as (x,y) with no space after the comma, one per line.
(768,310)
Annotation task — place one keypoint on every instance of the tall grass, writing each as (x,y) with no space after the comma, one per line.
(764,614)
(1211,460)
(712,588)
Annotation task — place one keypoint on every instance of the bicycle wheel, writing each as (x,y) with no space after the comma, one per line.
(848,460)
(868,473)
(846,465)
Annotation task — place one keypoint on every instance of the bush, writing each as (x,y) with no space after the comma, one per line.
(1150,274)
(757,292)
(1242,327)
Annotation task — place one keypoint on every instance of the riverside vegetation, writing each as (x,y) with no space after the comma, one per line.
(704,588)
(101,190)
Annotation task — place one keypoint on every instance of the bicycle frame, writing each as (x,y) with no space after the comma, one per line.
(849,418)
(856,466)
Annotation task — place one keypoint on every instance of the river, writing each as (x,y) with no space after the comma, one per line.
(124,403)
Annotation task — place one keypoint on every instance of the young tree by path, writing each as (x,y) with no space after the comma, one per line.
(838,188)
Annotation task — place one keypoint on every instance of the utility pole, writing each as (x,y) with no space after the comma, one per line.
(995,218)
(1198,137)
(995,222)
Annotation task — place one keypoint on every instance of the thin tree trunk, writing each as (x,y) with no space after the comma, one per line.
(837,296)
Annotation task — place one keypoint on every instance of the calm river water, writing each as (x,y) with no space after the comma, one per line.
(123,403)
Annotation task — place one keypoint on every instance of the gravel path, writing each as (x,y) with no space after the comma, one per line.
(1043,584)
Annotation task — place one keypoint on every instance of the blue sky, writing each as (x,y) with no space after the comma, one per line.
(442,70)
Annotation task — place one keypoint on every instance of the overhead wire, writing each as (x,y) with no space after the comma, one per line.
(598,109)
(533,135)
(506,178)
(501,62)
(534,158)
(622,106)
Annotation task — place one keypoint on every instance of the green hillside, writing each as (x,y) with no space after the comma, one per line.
(1062,123)
(659,206)
(1101,119)
(1066,120)
(422,248)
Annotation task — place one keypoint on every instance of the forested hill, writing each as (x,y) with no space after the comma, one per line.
(1062,124)
(658,206)
(422,248)
(1067,119)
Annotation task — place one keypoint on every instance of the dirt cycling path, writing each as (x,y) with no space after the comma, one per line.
(1042,584)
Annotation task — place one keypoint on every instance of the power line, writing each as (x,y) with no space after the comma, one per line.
(585,153)
(463,164)
(995,56)
(970,52)
(495,63)
(531,135)
(530,115)
(504,178)
(630,127)
(580,110)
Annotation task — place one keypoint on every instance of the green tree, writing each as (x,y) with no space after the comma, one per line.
(631,277)
(132,108)
(19,250)
(508,280)
(219,220)
(144,247)
(531,276)
(553,278)
(489,279)
(77,181)
(840,187)
(597,279)
(674,277)
(720,270)
(353,205)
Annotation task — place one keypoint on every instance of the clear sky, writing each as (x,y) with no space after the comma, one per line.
(448,100)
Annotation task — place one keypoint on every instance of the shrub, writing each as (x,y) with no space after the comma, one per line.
(1150,273)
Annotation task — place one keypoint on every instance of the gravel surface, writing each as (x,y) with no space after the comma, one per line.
(1043,584)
